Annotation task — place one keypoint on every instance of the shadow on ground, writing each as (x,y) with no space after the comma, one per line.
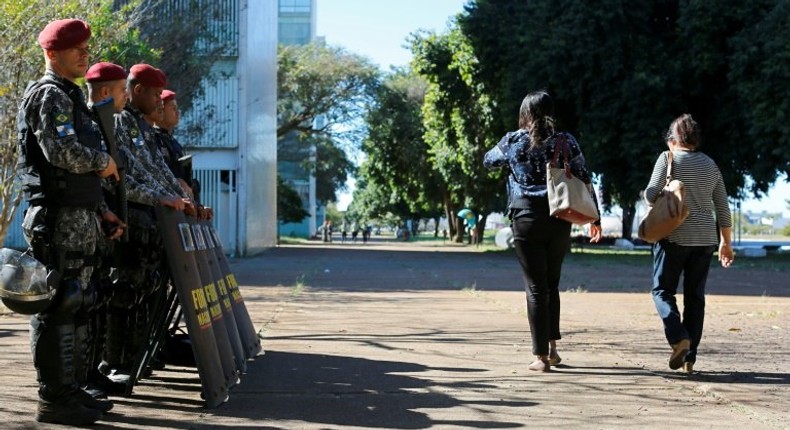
(352,391)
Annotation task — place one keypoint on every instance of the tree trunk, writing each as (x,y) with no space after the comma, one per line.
(449,213)
(435,227)
(629,211)
(459,229)
(481,228)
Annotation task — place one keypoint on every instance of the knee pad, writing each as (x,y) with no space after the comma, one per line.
(68,301)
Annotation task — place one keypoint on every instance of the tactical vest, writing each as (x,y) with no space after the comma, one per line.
(44,183)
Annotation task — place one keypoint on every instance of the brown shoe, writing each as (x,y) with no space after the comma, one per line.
(688,367)
(554,358)
(679,351)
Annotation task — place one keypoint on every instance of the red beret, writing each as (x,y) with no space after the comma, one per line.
(104,71)
(148,76)
(168,95)
(64,34)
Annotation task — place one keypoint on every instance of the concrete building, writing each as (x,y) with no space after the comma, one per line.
(236,158)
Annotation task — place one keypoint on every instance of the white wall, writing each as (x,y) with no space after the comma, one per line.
(257,69)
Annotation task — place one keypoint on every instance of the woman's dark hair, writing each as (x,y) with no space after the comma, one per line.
(537,116)
(685,131)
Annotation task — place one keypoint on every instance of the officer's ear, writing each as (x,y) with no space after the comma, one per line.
(104,92)
(138,89)
(50,55)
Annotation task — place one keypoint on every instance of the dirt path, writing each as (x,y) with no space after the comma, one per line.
(418,336)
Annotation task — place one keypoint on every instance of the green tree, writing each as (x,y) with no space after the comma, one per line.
(604,64)
(397,158)
(321,89)
(621,71)
(289,205)
(757,67)
(458,118)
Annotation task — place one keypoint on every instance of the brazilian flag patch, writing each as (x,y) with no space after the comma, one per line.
(137,138)
(63,124)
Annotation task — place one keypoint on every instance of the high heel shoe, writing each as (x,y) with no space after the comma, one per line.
(540,365)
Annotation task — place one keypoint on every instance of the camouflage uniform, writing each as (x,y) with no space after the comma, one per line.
(71,231)
(171,151)
(147,179)
(141,141)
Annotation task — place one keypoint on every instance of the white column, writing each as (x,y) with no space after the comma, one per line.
(257,178)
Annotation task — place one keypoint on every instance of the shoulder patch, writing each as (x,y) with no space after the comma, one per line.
(63,125)
(137,138)
(61,118)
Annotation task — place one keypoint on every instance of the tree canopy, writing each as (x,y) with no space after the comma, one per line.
(321,92)
(620,71)
(397,161)
(321,89)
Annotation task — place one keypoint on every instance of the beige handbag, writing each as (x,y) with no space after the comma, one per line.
(667,212)
(570,199)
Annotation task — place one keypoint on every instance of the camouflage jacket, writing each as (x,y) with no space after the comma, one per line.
(148,166)
(51,117)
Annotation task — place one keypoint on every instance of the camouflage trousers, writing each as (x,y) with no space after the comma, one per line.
(76,232)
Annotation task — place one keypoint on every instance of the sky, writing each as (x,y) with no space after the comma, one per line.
(378,30)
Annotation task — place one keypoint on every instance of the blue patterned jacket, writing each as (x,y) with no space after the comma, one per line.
(527,166)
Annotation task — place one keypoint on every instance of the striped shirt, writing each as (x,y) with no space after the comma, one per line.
(706,196)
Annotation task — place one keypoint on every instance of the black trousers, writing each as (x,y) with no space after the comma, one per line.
(541,242)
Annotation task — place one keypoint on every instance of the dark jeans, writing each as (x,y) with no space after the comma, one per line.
(541,242)
(669,262)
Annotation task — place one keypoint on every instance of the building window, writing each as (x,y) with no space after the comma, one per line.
(295,6)
(294,33)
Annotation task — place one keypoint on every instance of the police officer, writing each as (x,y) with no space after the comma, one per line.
(165,122)
(142,276)
(105,80)
(62,166)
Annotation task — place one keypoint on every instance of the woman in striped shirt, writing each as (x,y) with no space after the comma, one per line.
(688,249)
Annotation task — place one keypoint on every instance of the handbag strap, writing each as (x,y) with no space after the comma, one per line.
(561,146)
(669,168)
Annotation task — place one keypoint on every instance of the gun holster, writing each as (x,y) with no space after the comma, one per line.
(41,245)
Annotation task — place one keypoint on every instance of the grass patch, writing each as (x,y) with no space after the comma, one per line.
(287,240)
(773,262)
(300,285)
(596,255)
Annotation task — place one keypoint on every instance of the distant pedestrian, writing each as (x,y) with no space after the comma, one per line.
(689,248)
(541,240)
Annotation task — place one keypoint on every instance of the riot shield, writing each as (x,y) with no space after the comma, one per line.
(249,337)
(224,347)
(180,251)
(225,301)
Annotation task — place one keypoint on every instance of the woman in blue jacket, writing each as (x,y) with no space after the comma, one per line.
(541,240)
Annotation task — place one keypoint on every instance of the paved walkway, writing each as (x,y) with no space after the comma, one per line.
(396,336)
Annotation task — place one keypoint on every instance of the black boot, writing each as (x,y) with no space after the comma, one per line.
(88,395)
(117,326)
(66,409)
(53,357)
